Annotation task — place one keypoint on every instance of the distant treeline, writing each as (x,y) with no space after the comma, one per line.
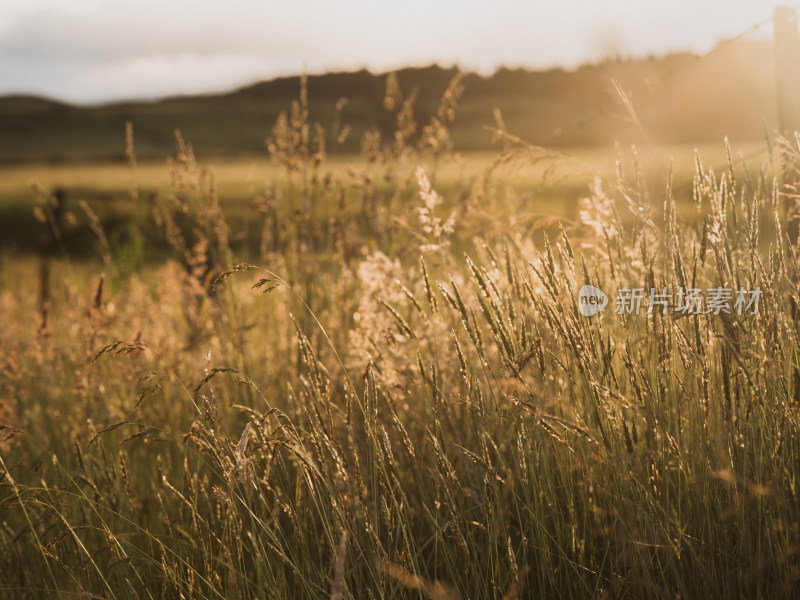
(680,98)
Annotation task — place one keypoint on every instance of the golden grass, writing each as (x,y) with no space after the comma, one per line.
(393,394)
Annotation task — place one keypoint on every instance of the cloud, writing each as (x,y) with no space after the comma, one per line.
(122,30)
(125,49)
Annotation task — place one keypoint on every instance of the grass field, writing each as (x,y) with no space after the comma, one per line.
(368,376)
(549,187)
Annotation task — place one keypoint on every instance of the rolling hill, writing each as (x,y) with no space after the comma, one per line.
(678,98)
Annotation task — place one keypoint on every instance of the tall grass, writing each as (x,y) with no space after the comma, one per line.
(393,393)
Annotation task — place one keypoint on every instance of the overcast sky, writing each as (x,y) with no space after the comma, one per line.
(97,50)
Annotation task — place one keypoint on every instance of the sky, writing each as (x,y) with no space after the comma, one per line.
(90,51)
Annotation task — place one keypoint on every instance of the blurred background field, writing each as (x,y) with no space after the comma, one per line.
(551,187)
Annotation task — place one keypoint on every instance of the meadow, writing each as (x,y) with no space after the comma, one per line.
(367,376)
